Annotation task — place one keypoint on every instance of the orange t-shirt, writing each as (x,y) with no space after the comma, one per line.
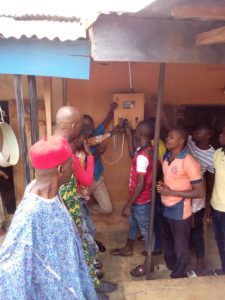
(179,175)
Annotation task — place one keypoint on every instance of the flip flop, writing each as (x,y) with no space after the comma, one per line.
(99,274)
(156,252)
(195,273)
(141,238)
(139,271)
(100,245)
(120,252)
(98,265)
(216,272)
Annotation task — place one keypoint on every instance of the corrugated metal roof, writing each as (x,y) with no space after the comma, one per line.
(64,31)
(65,20)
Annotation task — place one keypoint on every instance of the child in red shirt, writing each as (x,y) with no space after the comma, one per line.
(137,207)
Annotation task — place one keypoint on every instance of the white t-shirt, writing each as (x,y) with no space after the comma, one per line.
(142,164)
(205,158)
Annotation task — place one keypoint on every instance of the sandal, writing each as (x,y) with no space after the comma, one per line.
(98,265)
(138,271)
(141,238)
(99,274)
(120,252)
(100,245)
(195,273)
(156,252)
(216,272)
(191,274)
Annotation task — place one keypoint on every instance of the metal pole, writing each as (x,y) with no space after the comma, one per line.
(33,109)
(20,114)
(154,171)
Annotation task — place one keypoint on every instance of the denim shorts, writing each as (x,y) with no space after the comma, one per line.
(139,221)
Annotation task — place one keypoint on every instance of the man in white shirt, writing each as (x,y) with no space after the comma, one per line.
(199,147)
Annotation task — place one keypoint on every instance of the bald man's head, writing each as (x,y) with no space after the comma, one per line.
(68,114)
(69,122)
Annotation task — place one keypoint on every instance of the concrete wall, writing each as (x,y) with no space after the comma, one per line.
(184,84)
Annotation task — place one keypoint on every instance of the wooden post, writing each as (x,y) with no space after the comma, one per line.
(33,109)
(154,171)
(20,114)
(64,91)
(48,102)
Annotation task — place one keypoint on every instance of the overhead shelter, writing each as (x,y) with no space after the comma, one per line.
(173,31)
(37,43)
(46,39)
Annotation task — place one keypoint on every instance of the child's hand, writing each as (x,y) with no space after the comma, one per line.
(3,174)
(126,210)
(113,105)
(163,189)
(128,130)
(159,186)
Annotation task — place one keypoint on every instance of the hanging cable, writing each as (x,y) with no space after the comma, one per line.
(110,163)
(130,77)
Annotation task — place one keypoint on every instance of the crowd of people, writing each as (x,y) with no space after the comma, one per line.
(50,250)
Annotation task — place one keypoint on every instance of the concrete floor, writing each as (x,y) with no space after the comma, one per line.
(113,233)
(117,269)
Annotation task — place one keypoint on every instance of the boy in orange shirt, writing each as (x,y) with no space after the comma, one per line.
(182,182)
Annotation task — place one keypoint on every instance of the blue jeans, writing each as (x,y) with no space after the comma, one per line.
(88,229)
(219,228)
(139,220)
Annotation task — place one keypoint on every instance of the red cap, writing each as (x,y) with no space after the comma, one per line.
(50,152)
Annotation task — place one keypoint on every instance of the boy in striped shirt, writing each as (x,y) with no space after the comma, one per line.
(198,145)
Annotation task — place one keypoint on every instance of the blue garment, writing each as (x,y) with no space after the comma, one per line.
(42,256)
(175,211)
(88,228)
(98,167)
(139,220)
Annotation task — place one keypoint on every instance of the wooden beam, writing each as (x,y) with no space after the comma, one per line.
(33,109)
(48,104)
(20,114)
(212,37)
(202,12)
(123,38)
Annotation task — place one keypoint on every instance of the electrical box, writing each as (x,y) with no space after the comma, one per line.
(130,107)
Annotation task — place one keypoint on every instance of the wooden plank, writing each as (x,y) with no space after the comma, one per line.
(202,12)
(159,8)
(18,168)
(45,58)
(18,177)
(20,114)
(33,109)
(152,40)
(212,37)
(48,104)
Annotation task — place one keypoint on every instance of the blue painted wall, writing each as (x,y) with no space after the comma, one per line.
(45,58)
